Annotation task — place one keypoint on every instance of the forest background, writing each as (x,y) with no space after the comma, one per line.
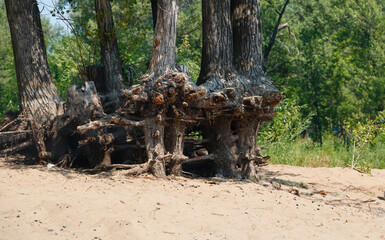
(328,62)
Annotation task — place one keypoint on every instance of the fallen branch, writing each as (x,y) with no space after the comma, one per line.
(210,157)
(15,132)
(9,124)
(137,169)
(108,122)
(125,122)
(94,125)
(17,148)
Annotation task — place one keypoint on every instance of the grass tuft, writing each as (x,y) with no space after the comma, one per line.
(333,153)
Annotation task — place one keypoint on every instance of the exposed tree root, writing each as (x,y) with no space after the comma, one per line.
(167,124)
(149,133)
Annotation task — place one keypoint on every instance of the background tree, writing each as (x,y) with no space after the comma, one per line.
(38,95)
(113,79)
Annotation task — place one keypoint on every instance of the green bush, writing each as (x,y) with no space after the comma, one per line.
(289,124)
(364,137)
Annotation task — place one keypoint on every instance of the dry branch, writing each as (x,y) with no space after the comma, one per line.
(210,157)
(17,148)
(15,132)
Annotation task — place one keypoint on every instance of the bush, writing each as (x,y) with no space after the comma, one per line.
(289,124)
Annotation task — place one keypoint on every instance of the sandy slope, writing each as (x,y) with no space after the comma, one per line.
(41,203)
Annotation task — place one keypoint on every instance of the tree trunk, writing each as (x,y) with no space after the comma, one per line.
(217,47)
(37,92)
(232,70)
(158,82)
(110,54)
(247,38)
(248,61)
(163,54)
(174,143)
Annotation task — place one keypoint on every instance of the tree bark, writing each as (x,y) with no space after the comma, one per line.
(217,47)
(159,85)
(223,145)
(247,37)
(110,54)
(174,143)
(163,54)
(154,137)
(241,95)
(248,61)
(37,92)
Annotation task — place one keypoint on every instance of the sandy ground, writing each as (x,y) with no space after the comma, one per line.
(37,202)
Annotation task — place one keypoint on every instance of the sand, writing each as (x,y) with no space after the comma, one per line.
(37,202)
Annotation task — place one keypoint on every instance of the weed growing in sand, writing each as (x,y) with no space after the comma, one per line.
(363,136)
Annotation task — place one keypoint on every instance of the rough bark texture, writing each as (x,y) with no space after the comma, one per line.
(38,95)
(163,55)
(247,38)
(158,86)
(83,104)
(217,47)
(248,61)
(110,54)
(174,144)
(242,95)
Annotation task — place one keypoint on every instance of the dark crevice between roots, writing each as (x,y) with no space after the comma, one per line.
(203,169)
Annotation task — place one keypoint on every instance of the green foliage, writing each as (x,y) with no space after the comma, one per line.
(8,85)
(184,57)
(189,44)
(289,124)
(133,26)
(331,60)
(133,22)
(363,136)
(62,57)
(305,152)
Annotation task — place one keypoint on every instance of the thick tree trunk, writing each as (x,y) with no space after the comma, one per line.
(163,54)
(232,69)
(247,147)
(110,54)
(248,61)
(174,143)
(158,82)
(217,47)
(247,38)
(223,145)
(154,137)
(37,92)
